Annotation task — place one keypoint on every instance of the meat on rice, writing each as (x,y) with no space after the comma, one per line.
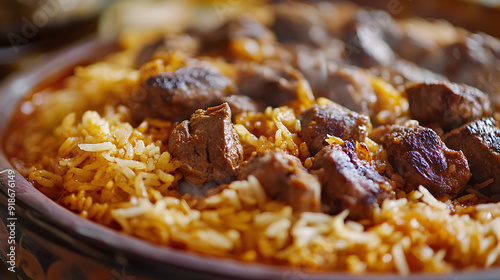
(207,146)
(267,118)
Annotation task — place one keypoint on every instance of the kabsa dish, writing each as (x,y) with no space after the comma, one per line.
(322,136)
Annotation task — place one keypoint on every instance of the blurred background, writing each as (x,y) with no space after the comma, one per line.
(31,28)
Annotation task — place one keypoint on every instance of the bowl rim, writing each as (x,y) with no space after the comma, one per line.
(119,249)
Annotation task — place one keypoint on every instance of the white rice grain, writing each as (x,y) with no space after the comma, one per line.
(398,256)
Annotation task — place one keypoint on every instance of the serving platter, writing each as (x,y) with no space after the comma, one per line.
(51,242)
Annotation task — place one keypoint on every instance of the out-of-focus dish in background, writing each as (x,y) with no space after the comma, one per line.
(30,28)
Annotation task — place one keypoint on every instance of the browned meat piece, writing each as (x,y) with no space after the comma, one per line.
(321,120)
(421,50)
(336,15)
(411,72)
(448,105)
(275,84)
(348,182)
(175,96)
(207,146)
(350,87)
(299,22)
(480,142)
(401,72)
(242,103)
(177,42)
(284,178)
(312,62)
(473,59)
(421,158)
(369,37)
(424,41)
(463,57)
(244,26)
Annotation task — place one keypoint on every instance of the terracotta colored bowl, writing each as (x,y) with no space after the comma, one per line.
(54,243)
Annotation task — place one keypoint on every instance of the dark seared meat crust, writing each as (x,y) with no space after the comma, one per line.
(446,104)
(175,96)
(369,42)
(421,158)
(319,121)
(274,84)
(480,142)
(348,182)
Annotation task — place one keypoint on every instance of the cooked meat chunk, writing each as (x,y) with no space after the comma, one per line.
(319,121)
(312,62)
(175,96)
(474,60)
(350,87)
(284,178)
(424,41)
(419,49)
(242,103)
(411,72)
(299,22)
(348,182)
(368,38)
(244,26)
(207,146)
(371,39)
(401,72)
(480,142)
(177,42)
(336,15)
(421,158)
(275,84)
(448,105)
